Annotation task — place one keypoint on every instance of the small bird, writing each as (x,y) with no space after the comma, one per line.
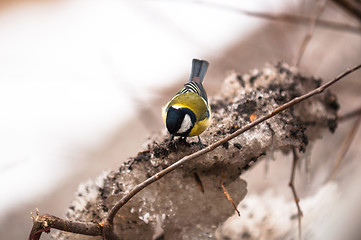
(188,113)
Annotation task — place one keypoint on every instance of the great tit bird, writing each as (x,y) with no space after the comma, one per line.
(188,113)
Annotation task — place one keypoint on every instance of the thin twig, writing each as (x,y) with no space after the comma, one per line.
(345,146)
(45,222)
(292,186)
(229,198)
(307,38)
(349,115)
(211,147)
(198,182)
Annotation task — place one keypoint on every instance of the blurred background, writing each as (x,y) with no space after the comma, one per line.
(82,84)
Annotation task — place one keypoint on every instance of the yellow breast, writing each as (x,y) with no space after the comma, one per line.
(196,104)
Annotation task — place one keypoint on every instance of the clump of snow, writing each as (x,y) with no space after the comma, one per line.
(190,202)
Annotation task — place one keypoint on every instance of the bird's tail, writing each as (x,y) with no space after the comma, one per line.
(199,69)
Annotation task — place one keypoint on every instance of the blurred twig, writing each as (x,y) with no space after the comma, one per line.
(229,198)
(289,18)
(351,6)
(349,115)
(292,186)
(304,20)
(307,38)
(345,146)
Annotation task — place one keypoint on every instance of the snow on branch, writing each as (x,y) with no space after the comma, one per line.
(190,202)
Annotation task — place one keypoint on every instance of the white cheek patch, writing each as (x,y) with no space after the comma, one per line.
(186,124)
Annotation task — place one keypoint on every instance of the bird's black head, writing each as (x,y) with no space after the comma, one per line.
(180,121)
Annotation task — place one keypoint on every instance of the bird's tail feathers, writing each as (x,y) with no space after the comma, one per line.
(199,69)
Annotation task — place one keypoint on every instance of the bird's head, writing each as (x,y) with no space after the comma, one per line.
(180,121)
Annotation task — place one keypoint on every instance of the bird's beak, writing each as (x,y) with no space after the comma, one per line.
(171,137)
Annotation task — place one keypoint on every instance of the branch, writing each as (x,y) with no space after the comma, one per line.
(211,147)
(351,6)
(344,148)
(307,38)
(291,184)
(283,17)
(289,18)
(168,204)
(45,222)
(349,115)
